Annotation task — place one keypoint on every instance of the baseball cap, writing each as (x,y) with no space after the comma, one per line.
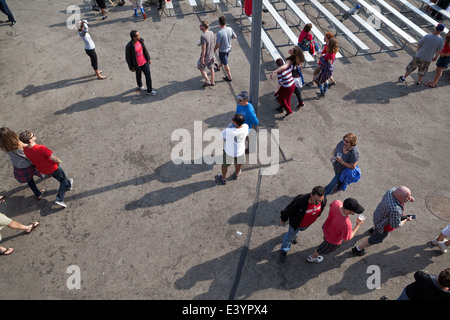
(242,95)
(358,6)
(440,27)
(353,205)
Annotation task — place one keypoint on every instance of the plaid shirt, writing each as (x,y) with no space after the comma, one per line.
(388,211)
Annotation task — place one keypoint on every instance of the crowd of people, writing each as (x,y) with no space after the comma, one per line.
(30,159)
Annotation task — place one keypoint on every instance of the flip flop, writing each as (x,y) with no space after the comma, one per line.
(205,84)
(35,225)
(428,84)
(6,250)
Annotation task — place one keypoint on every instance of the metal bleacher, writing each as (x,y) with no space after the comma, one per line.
(388,24)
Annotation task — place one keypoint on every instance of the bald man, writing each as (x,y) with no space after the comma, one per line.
(387,217)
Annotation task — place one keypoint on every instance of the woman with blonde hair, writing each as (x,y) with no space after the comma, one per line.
(24,170)
(345,155)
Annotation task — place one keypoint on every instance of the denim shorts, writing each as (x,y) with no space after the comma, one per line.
(223,57)
(443,62)
(377,237)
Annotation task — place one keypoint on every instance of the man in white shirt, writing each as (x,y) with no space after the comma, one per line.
(234,148)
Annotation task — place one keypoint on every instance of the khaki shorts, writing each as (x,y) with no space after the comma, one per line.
(229,160)
(4,221)
(418,63)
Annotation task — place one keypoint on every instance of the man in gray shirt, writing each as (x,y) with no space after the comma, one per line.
(223,43)
(207,54)
(428,49)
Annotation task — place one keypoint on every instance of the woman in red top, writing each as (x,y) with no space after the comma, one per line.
(442,63)
(326,39)
(287,87)
(327,62)
(305,38)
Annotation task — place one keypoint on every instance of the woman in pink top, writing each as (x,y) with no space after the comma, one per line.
(338,227)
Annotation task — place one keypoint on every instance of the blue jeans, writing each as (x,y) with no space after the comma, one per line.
(4,8)
(33,187)
(290,235)
(323,89)
(403,296)
(148,78)
(333,184)
(64,183)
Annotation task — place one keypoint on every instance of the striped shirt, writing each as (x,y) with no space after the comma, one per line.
(388,211)
(285,77)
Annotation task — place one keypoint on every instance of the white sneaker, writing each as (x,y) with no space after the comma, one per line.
(61,203)
(142,89)
(311,259)
(71,183)
(434,242)
(442,246)
(153,93)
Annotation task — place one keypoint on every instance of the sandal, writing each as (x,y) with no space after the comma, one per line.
(4,253)
(35,225)
(428,84)
(205,84)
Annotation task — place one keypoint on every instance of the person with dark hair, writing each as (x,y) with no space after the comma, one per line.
(223,43)
(428,287)
(89,46)
(138,60)
(47,163)
(305,37)
(287,87)
(344,155)
(338,228)
(302,212)
(24,170)
(4,8)
(428,49)
(234,148)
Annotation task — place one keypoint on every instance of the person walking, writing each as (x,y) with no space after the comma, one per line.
(47,163)
(24,170)
(326,72)
(138,4)
(428,49)
(234,148)
(207,58)
(321,53)
(338,227)
(223,43)
(4,8)
(442,63)
(8,222)
(344,155)
(102,5)
(138,60)
(286,79)
(387,217)
(302,212)
(89,46)
(440,241)
(428,287)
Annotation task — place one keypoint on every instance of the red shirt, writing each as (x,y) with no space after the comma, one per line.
(311,215)
(140,58)
(39,155)
(446,48)
(337,227)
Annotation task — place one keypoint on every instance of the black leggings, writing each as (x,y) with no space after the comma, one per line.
(298,93)
(93,56)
